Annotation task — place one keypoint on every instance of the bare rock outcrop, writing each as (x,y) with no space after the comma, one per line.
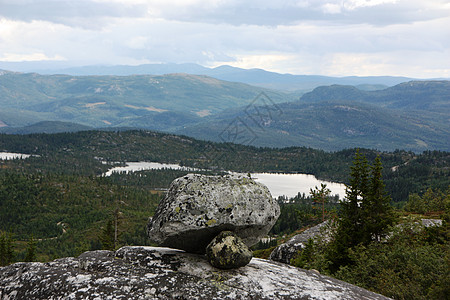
(162,273)
(198,207)
(285,252)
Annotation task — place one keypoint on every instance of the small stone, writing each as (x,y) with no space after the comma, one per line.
(228,251)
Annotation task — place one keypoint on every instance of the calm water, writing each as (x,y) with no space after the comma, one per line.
(8,155)
(142,165)
(291,184)
(278,184)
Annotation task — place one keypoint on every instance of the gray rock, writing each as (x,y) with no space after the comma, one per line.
(162,273)
(285,252)
(198,207)
(227,251)
(431,222)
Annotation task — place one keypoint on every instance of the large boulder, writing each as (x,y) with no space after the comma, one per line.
(162,273)
(285,252)
(198,207)
(227,251)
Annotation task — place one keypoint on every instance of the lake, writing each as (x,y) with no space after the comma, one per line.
(142,165)
(291,184)
(279,184)
(9,155)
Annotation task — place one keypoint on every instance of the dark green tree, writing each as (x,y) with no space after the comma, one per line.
(6,249)
(365,213)
(31,250)
(107,236)
(378,213)
(320,196)
(306,255)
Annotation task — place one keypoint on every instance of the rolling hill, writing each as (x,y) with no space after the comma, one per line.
(412,116)
(157,102)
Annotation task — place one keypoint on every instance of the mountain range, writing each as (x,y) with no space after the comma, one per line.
(412,115)
(256,77)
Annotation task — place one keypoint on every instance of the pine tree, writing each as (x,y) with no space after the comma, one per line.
(378,211)
(365,213)
(349,220)
(107,236)
(9,249)
(31,250)
(3,250)
(351,217)
(320,196)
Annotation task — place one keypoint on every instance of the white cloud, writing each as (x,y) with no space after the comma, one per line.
(355,4)
(332,8)
(262,61)
(17,57)
(137,42)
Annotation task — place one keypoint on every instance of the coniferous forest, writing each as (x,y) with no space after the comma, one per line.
(56,203)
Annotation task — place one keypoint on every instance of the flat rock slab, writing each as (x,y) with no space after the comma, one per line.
(163,273)
(198,207)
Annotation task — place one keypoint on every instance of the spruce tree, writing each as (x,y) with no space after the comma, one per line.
(351,217)
(3,250)
(31,250)
(320,196)
(365,213)
(378,212)
(9,249)
(107,236)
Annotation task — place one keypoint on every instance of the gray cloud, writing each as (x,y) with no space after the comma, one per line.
(250,12)
(83,13)
(273,13)
(331,37)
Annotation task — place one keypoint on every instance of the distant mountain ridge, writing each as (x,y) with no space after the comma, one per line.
(425,95)
(257,77)
(47,127)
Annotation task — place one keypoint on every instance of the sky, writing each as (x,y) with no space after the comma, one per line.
(312,37)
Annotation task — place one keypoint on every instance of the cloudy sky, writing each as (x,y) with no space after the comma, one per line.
(326,37)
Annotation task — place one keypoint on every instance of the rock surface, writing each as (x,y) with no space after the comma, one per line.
(227,251)
(162,273)
(198,207)
(285,252)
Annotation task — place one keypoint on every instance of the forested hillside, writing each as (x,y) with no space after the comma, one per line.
(91,153)
(411,116)
(160,102)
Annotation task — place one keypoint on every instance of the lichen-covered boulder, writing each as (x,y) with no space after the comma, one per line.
(162,273)
(227,251)
(199,207)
